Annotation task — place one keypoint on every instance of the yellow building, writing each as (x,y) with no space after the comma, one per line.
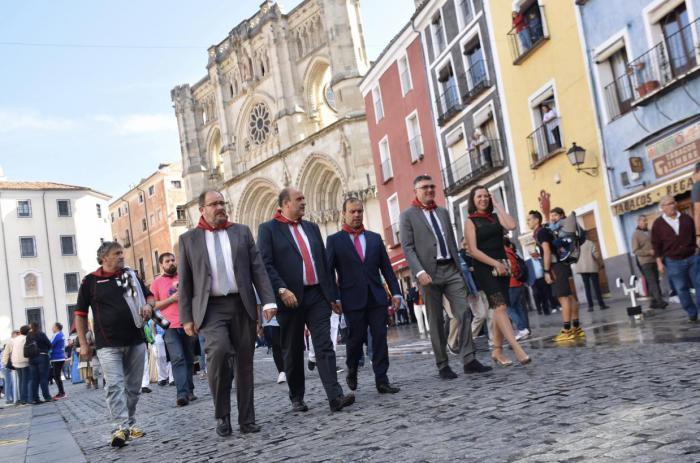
(548,106)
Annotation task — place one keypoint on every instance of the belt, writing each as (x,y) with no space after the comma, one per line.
(444,261)
(227,295)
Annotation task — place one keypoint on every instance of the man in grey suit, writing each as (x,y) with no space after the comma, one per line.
(220,269)
(429,244)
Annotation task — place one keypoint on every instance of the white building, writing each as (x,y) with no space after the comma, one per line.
(49,235)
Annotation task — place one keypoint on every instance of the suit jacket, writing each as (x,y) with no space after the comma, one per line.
(356,279)
(418,241)
(284,263)
(195,273)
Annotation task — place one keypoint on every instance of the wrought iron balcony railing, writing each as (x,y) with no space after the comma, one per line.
(544,142)
(475,163)
(532,33)
(448,103)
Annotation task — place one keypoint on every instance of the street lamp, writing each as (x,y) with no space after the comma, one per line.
(577,156)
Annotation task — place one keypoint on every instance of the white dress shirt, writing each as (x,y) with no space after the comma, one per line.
(674,222)
(308,247)
(228,261)
(426,213)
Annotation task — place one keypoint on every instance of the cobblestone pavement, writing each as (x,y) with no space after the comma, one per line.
(628,393)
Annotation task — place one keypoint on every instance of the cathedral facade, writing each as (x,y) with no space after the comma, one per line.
(280,106)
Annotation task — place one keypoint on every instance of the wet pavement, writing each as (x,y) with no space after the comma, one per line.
(629,392)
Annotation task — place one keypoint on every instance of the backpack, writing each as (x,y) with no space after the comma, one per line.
(31,349)
(522,275)
(568,238)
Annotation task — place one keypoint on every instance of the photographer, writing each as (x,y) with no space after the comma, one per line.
(180,345)
(120,304)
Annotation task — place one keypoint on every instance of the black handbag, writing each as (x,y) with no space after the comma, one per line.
(31,349)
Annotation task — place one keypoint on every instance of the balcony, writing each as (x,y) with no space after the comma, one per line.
(472,165)
(619,96)
(666,63)
(415,147)
(391,235)
(387,171)
(545,142)
(478,81)
(530,36)
(448,104)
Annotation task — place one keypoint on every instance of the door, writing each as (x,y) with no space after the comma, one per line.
(679,40)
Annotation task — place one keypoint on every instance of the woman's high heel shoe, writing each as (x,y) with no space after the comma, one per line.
(526,360)
(499,362)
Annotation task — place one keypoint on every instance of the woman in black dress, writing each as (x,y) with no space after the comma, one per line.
(484,233)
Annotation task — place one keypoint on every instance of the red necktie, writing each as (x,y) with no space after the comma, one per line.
(358,247)
(305,255)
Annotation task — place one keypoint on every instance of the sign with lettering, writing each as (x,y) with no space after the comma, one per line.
(653,196)
(675,151)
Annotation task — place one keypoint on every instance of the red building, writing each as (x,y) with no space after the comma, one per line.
(401,133)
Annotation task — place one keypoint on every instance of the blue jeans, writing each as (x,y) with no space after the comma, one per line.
(123,370)
(684,274)
(181,359)
(10,396)
(39,377)
(516,312)
(23,376)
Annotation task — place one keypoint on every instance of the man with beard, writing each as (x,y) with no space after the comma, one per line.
(220,269)
(180,344)
(120,304)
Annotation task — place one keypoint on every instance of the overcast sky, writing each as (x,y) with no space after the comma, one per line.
(98,113)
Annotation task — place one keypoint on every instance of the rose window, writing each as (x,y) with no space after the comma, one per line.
(259,124)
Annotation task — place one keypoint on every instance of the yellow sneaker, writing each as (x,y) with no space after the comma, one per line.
(135,432)
(578,332)
(564,335)
(119,438)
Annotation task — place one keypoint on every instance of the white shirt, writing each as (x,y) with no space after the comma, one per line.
(228,261)
(308,247)
(363,243)
(674,222)
(435,232)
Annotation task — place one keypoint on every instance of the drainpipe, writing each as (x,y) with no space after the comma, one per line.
(131,230)
(7,266)
(148,232)
(48,245)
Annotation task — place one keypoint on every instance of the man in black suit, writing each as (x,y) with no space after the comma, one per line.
(295,259)
(358,256)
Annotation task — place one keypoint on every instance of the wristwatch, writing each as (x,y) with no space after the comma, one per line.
(281,291)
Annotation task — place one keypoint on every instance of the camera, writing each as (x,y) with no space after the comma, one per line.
(160,319)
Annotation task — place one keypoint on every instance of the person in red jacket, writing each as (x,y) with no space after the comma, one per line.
(516,294)
(676,251)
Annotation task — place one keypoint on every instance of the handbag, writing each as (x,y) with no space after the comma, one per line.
(31,349)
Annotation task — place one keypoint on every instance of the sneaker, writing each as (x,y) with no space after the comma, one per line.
(135,432)
(564,335)
(578,332)
(522,334)
(119,438)
(282,378)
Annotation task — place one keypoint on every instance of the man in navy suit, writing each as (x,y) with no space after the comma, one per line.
(296,263)
(358,256)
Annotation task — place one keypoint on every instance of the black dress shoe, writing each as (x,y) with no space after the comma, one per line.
(311,365)
(341,402)
(223,426)
(351,379)
(603,307)
(145,390)
(299,406)
(182,401)
(191,397)
(447,373)
(475,367)
(386,388)
(250,427)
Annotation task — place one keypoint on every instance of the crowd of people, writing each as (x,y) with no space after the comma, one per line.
(298,293)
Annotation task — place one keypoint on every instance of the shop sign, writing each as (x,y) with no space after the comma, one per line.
(675,151)
(653,196)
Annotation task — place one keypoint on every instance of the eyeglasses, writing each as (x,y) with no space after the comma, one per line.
(426,187)
(217,203)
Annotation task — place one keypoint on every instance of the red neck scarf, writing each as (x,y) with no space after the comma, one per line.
(420,205)
(280,218)
(100,272)
(482,215)
(354,231)
(204,225)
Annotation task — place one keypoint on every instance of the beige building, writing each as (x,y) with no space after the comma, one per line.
(149,218)
(280,106)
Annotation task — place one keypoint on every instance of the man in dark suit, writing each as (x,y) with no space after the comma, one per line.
(295,258)
(429,244)
(358,256)
(220,269)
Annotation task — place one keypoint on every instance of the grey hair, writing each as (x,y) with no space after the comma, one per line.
(105,248)
(664,199)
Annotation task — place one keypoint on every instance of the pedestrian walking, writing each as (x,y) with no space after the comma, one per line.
(359,259)
(484,232)
(430,247)
(11,388)
(120,304)
(219,272)
(517,291)
(695,198)
(676,251)
(37,348)
(588,267)
(58,358)
(644,251)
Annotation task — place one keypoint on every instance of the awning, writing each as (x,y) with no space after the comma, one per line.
(652,195)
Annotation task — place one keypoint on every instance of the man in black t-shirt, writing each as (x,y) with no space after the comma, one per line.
(120,304)
(557,275)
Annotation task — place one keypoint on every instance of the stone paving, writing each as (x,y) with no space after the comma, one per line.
(628,393)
